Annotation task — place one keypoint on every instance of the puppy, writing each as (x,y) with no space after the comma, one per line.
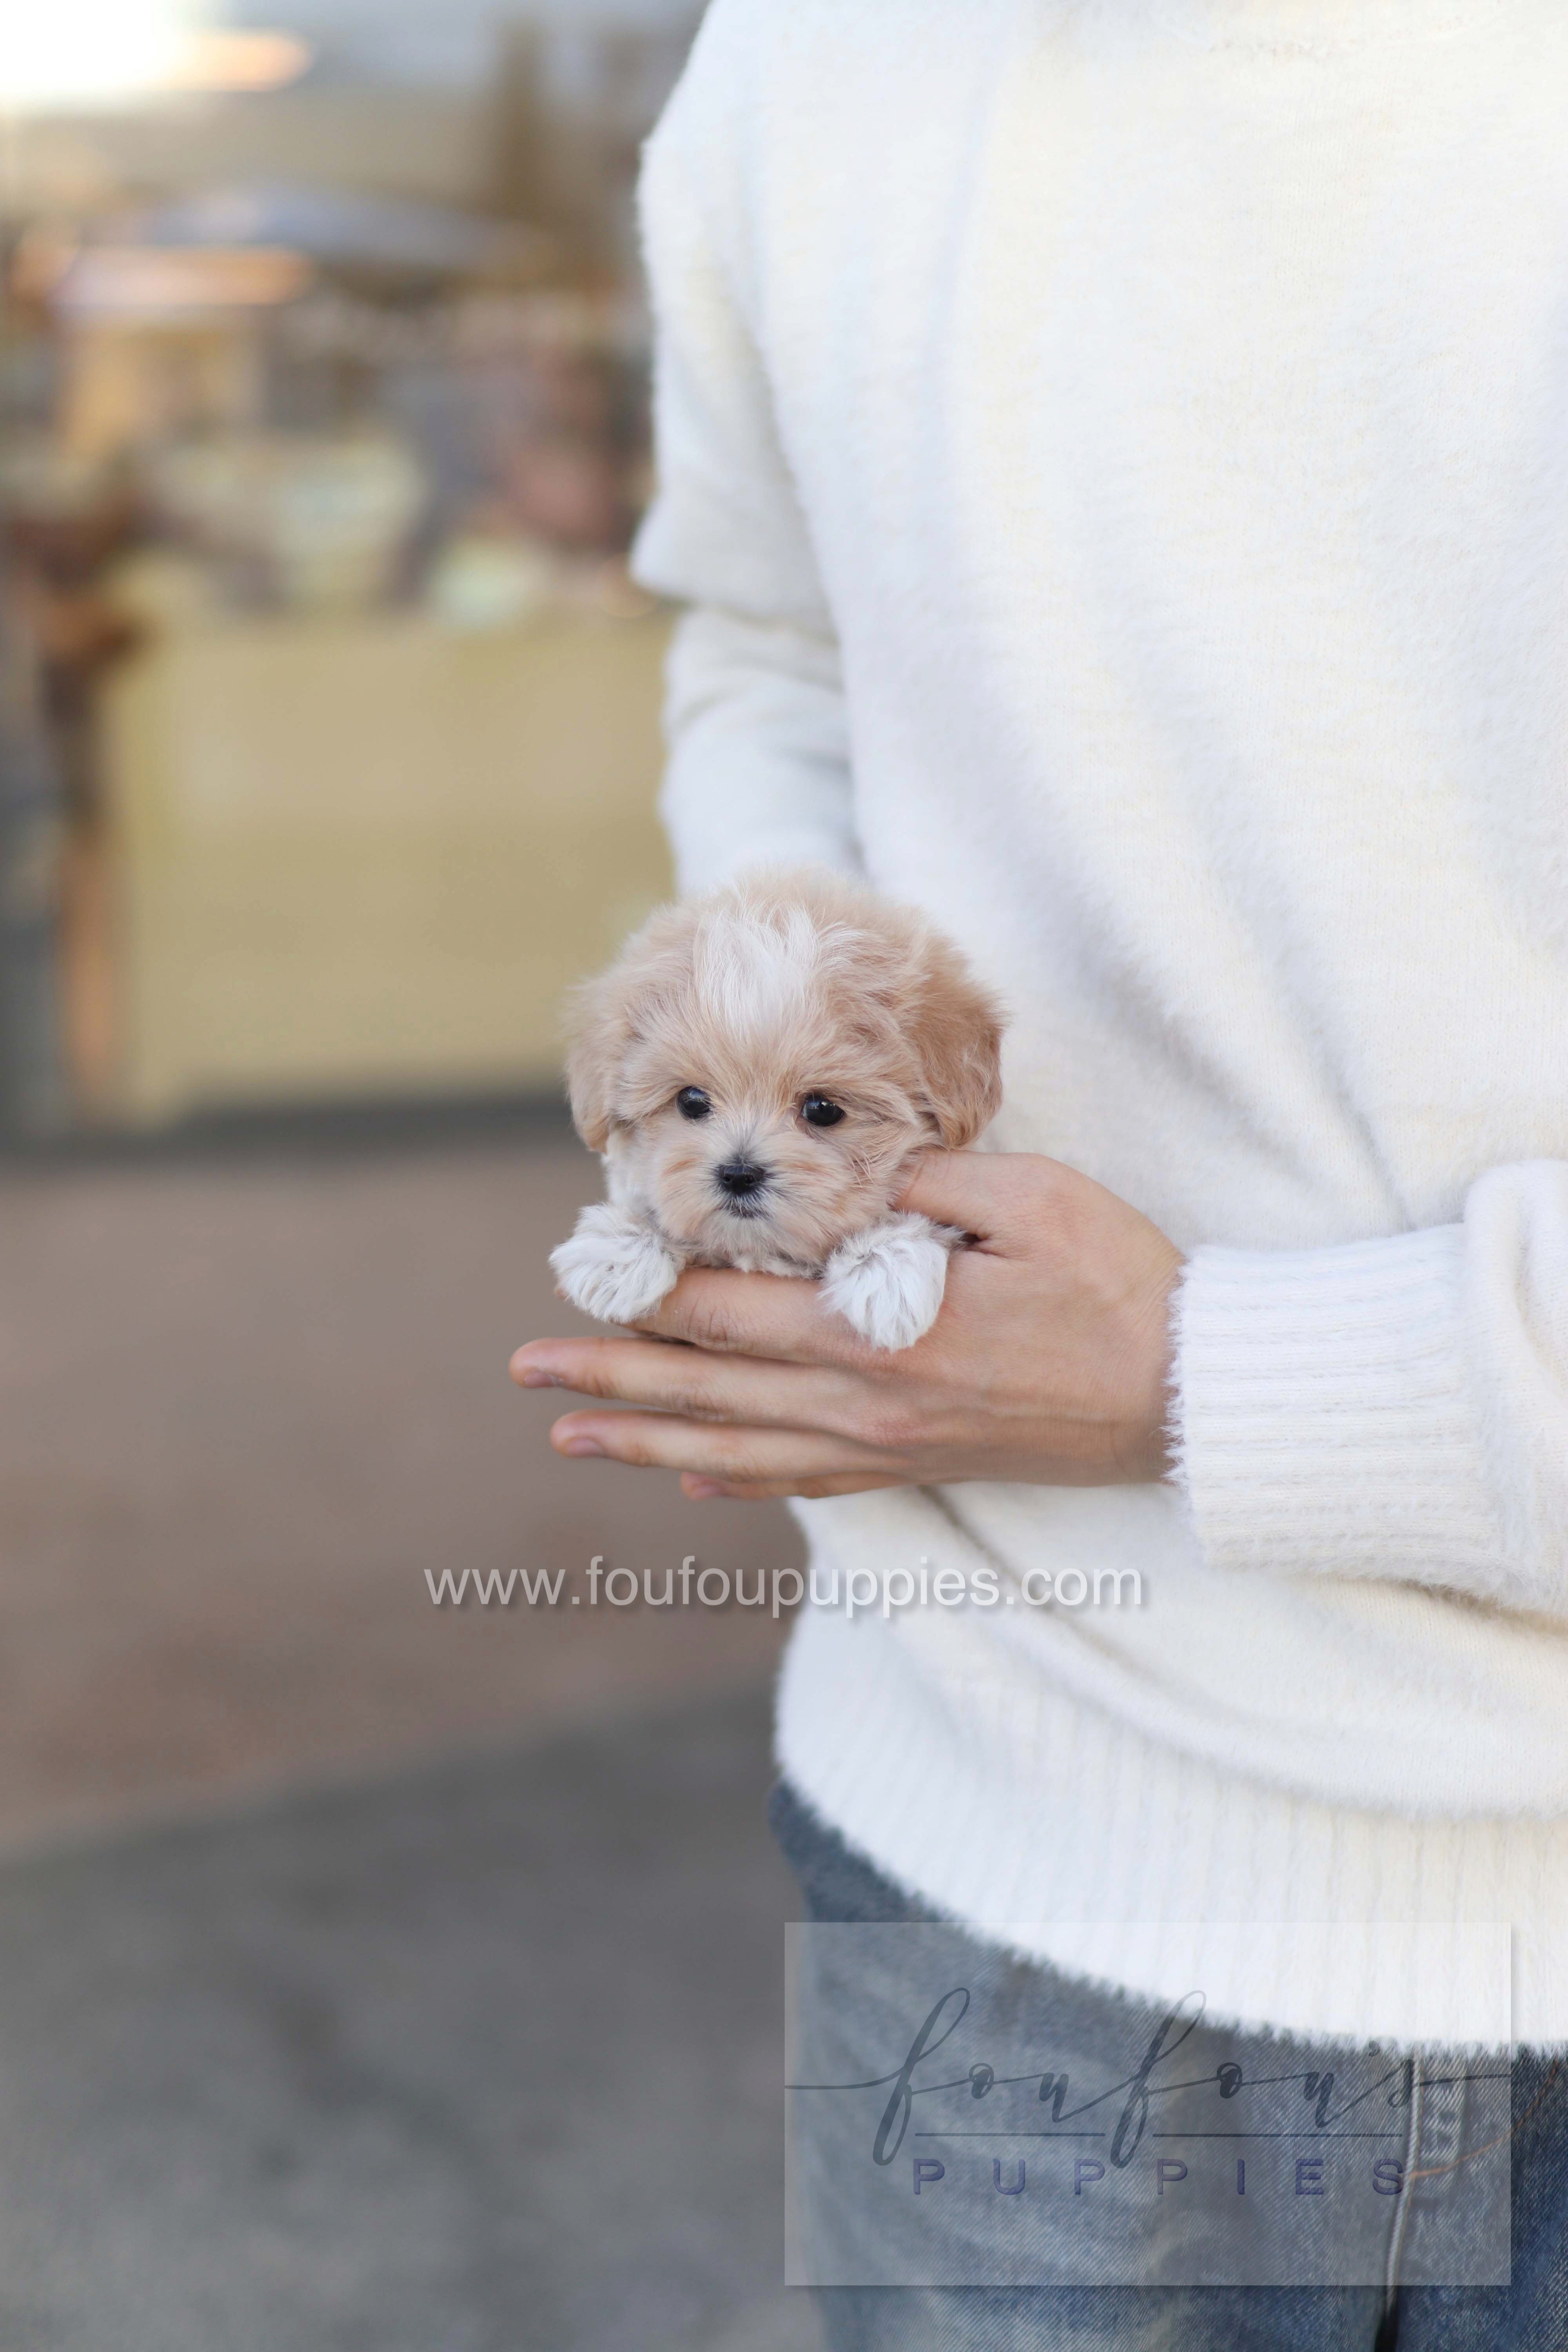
(759,1070)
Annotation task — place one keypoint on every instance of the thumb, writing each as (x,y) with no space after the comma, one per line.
(976,1191)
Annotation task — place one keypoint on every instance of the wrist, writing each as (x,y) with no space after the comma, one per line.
(1146,1447)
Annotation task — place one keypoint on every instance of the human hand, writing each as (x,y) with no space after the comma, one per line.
(1048,1364)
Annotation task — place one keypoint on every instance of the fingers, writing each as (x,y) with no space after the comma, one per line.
(766,1315)
(692,1383)
(738,1456)
(707,1490)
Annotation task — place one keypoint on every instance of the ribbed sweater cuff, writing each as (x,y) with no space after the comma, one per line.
(1323,1420)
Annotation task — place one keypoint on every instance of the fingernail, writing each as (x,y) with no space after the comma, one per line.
(534,1376)
(701,1490)
(582,1447)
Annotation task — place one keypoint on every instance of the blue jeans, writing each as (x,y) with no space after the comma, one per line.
(1531,2314)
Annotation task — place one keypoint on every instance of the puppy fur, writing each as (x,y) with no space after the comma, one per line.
(765,996)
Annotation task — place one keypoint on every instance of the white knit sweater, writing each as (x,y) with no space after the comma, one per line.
(1116,452)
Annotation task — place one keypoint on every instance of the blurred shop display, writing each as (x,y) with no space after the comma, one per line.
(315,496)
(401,244)
(311,522)
(571,112)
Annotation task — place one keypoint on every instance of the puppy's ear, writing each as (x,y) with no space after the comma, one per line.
(602,1035)
(955,1029)
(609,1016)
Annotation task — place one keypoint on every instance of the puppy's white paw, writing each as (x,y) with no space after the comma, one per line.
(615,1268)
(887,1282)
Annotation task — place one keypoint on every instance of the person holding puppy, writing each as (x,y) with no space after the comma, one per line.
(1115,456)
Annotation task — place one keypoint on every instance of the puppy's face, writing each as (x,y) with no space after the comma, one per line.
(767,1062)
(775,1140)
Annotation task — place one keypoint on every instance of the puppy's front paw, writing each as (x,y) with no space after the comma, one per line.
(887,1282)
(615,1268)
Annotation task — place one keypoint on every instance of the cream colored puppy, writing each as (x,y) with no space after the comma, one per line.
(759,1070)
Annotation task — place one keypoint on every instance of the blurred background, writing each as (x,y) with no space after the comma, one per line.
(375,1970)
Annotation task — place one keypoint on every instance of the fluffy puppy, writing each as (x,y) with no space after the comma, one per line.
(758,1070)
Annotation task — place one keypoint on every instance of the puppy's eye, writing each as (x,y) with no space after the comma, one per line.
(820,1110)
(693,1103)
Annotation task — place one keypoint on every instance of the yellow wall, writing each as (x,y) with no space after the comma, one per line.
(367,856)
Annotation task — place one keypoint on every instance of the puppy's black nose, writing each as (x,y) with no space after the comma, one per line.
(739,1177)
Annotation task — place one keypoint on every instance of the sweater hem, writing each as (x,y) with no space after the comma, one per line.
(1161,1871)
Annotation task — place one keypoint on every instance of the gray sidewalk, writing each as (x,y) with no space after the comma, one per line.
(245,1404)
(477,2059)
(373,1976)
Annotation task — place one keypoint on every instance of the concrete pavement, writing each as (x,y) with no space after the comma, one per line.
(373,1976)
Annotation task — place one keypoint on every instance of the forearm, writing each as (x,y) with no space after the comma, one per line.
(1395,1409)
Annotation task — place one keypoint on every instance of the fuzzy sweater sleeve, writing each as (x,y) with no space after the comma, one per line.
(1393,1408)
(758,771)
